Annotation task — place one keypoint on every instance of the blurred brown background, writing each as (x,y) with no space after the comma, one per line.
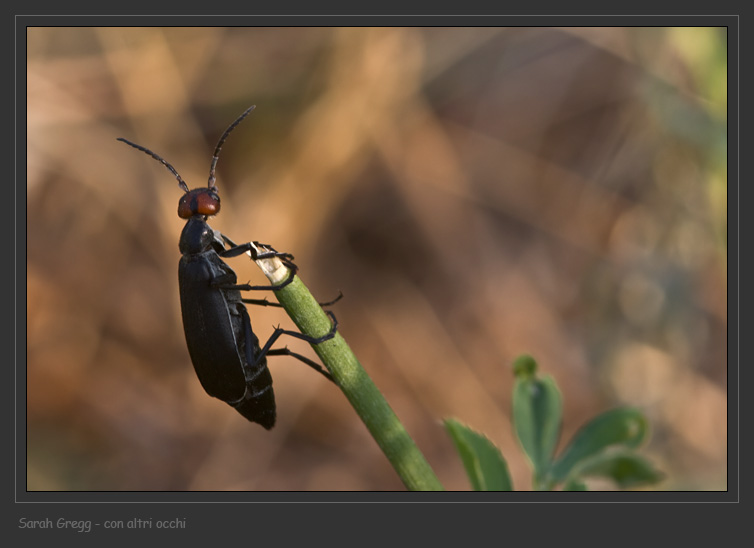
(476,193)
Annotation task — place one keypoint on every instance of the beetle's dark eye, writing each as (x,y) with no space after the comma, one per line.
(200,201)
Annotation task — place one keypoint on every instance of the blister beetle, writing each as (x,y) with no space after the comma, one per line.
(225,352)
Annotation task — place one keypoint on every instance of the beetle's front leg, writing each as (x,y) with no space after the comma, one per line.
(253,249)
(255,252)
(248,287)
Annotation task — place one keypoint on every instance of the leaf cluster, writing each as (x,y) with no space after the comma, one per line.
(604,447)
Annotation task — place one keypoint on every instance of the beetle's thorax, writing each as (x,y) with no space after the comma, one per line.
(197,236)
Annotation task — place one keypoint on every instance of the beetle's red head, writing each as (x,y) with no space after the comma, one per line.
(200,201)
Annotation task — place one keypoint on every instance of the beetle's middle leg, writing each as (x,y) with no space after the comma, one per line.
(265,302)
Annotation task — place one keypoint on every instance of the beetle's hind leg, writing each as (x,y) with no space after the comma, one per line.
(261,354)
(311,340)
(314,365)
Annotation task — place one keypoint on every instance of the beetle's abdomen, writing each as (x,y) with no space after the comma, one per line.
(210,330)
(259,406)
(258,403)
(220,340)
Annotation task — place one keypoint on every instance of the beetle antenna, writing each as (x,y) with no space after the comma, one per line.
(215,156)
(181,182)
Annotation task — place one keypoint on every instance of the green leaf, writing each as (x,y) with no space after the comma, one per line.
(524,366)
(626,469)
(537,414)
(575,485)
(485,465)
(623,426)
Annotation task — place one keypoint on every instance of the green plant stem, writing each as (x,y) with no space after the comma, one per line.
(366,399)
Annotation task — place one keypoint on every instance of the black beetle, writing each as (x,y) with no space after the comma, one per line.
(225,352)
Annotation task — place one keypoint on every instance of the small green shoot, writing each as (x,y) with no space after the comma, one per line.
(602,448)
